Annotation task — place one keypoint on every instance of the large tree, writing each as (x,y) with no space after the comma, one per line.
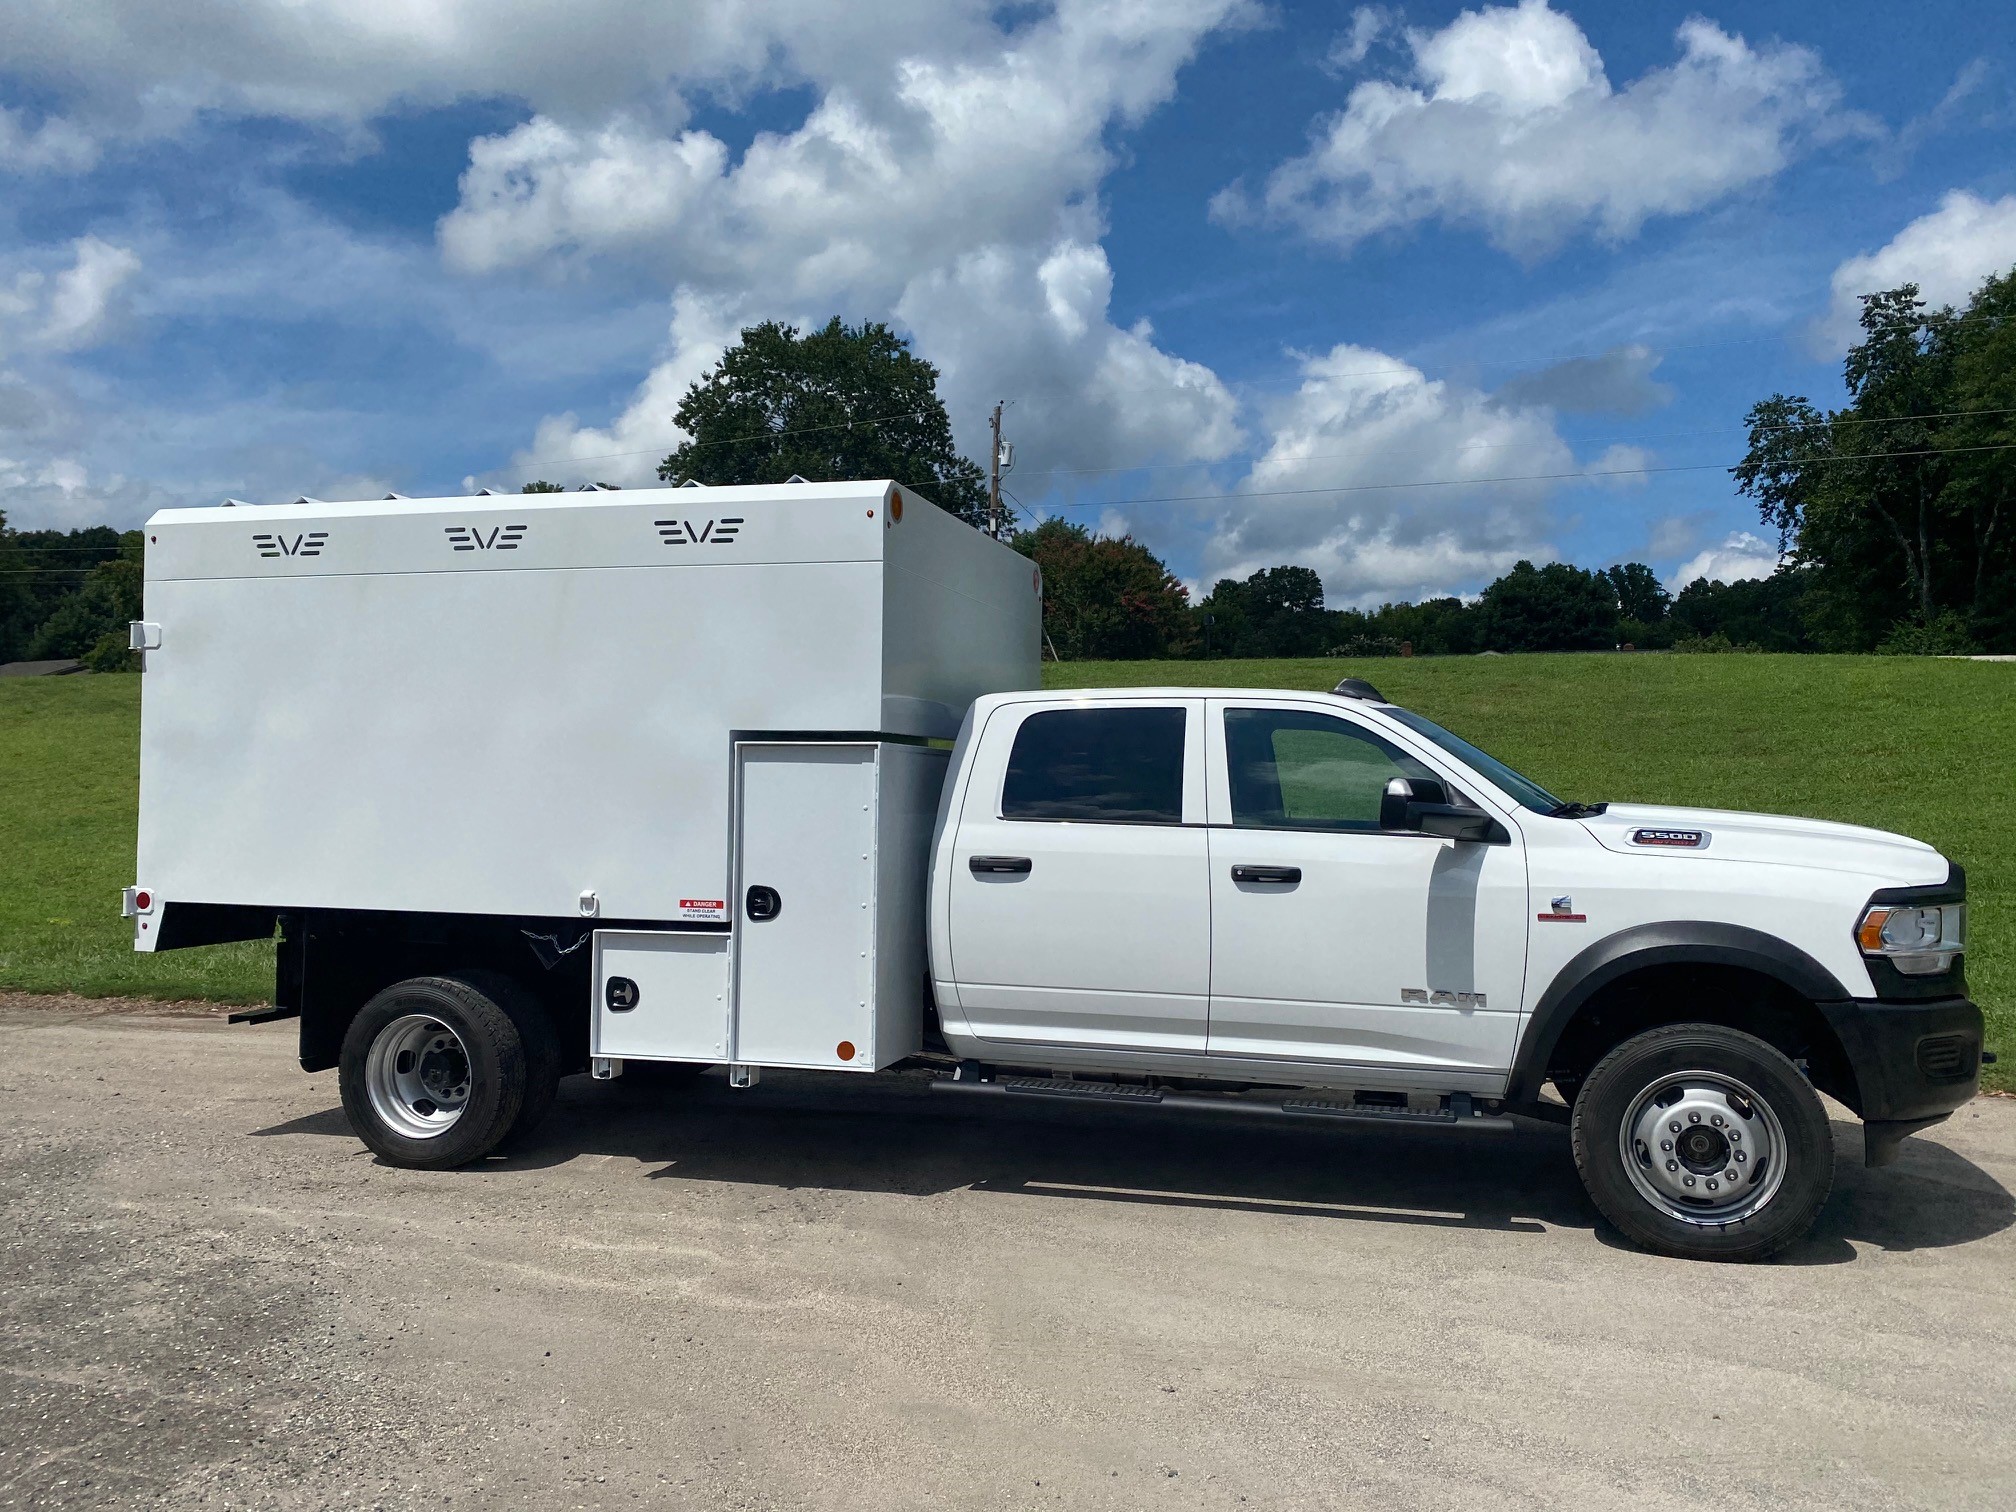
(46,569)
(1551,608)
(1106,598)
(1278,611)
(1898,502)
(837,404)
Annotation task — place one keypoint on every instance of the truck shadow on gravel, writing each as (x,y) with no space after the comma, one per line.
(802,1132)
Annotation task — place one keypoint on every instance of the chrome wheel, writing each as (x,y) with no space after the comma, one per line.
(1703,1148)
(417,1076)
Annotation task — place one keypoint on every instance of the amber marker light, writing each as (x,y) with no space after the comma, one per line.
(1871,933)
(845,1050)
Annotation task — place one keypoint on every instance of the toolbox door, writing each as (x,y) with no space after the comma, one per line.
(661,995)
(805,904)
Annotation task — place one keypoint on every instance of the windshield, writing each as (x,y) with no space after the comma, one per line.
(1528,792)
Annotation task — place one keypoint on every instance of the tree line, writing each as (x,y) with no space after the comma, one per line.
(69,594)
(1895,515)
(1113,599)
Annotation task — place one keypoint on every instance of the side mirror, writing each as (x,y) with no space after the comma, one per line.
(1403,792)
(1421,806)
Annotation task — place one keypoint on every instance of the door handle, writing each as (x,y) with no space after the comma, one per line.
(982,866)
(1289,874)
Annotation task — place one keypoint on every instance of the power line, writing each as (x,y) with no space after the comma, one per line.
(1344,488)
(1335,488)
(803,430)
(1964,319)
(1607,472)
(1714,430)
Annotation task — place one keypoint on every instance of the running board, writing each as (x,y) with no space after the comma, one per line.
(1457,1109)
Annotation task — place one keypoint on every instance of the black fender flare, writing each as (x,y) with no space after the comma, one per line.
(1675,943)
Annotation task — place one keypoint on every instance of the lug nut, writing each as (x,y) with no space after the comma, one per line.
(1742,1154)
(1693,1118)
(1730,1176)
(1666,1144)
(1711,1184)
(1672,1165)
(1716,1120)
(1687,1181)
(1735,1137)
(1675,1127)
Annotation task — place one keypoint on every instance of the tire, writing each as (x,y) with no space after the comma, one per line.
(1670,1111)
(542,1046)
(433,1073)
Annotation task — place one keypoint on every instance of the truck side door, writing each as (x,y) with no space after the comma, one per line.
(1080,895)
(1333,940)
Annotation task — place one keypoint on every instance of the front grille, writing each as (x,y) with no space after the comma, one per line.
(1946,1057)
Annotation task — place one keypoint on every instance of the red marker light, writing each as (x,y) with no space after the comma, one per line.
(143,900)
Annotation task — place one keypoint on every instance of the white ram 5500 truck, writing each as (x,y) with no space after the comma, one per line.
(763,778)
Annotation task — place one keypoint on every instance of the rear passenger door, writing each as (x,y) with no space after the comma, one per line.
(1080,893)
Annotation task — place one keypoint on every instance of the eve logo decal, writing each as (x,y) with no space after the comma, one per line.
(307,544)
(472,538)
(690,533)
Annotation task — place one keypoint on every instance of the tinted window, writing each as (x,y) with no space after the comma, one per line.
(1120,766)
(1295,770)
(1528,792)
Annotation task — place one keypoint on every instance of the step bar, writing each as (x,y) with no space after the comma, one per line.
(1458,1109)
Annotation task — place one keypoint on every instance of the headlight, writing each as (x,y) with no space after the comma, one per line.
(1917,941)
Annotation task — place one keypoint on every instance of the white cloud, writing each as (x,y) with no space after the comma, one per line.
(1741,555)
(629,449)
(74,308)
(1361,419)
(1946,252)
(57,493)
(1617,382)
(1673,535)
(85,298)
(1511,124)
(1032,324)
(1896,155)
(903,169)
(55,146)
(137,67)
(1368,24)
(953,194)
(1622,466)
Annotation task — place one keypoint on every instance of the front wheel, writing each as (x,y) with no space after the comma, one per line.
(1703,1142)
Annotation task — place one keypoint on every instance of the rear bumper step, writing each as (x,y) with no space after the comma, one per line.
(1455,1113)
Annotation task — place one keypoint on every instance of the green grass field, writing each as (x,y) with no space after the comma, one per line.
(69,782)
(1925,747)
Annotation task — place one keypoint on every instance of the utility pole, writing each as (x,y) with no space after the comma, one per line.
(994,478)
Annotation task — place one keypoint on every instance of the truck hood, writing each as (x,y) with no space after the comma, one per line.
(1776,838)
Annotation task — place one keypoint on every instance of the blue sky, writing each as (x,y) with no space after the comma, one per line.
(1403,293)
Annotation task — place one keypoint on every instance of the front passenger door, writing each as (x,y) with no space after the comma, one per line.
(1332,940)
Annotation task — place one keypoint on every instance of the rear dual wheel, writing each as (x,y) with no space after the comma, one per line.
(1703,1142)
(439,1071)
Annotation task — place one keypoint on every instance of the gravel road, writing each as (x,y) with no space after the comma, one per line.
(831,1294)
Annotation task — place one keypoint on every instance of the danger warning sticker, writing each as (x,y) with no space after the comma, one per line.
(703,908)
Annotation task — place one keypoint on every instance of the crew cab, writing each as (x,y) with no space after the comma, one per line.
(764,778)
(1332,891)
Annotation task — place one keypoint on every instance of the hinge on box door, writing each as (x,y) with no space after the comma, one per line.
(143,636)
